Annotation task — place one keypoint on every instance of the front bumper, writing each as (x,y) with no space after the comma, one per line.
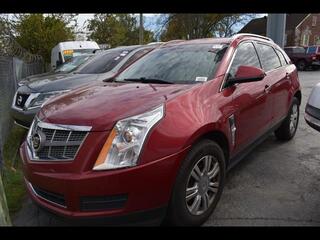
(312,117)
(24,117)
(315,63)
(147,187)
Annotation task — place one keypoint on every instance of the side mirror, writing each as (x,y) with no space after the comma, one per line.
(247,74)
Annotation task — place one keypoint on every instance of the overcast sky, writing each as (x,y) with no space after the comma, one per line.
(150,19)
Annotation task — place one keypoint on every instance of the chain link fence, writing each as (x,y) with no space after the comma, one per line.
(15,64)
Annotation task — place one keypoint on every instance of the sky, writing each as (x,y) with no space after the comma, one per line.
(149,20)
(149,24)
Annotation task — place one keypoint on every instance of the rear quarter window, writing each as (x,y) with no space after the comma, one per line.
(281,57)
(269,58)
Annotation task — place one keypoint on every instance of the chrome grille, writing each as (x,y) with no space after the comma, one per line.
(58,142)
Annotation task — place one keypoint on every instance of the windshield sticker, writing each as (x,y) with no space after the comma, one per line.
(201,79)
(124,53)
(117,58)
(217,46)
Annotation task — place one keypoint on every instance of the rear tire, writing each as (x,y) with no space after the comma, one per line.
(301,65)
(193,201)
(289,126)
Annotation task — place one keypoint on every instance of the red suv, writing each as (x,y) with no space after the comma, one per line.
(158,140)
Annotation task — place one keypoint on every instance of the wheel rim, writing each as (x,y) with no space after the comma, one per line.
(202,185)
(294,118)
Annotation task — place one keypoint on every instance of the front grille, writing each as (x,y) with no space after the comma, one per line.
(50,196)
(21,99)
(57,142)
(103,203)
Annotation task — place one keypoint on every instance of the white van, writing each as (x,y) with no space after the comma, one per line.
(66,50)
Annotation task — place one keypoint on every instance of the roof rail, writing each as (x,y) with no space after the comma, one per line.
(251,35)
(154,43)
(173,41)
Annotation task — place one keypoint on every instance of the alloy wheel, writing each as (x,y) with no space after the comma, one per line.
(294,118)
(202,185)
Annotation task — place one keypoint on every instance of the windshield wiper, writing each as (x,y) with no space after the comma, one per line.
(147,80)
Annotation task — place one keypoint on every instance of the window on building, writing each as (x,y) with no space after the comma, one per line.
(314,21)
(305,40)
(316,39)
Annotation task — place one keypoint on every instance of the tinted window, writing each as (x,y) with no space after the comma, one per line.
(177,64)
(72,64)
(312,49)
(282,59)
(299,50)
(269,58)
(135,56)
(104,62)
(245,55)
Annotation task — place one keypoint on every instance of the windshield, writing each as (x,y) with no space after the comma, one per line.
(312,49)
(72,64)
(177,64)
(104,61)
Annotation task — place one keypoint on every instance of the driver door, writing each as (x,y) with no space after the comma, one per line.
(252,114)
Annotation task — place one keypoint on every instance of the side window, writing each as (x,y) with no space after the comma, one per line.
(245,55)
(282,59)
(135,57)
(269,58)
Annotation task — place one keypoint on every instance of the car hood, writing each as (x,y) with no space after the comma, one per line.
(59,82)
(102,105)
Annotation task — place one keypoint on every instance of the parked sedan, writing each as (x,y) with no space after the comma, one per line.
(104,65)
(312,114)
(303,58)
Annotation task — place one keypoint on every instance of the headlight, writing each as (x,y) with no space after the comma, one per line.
(43,97)
(126,139)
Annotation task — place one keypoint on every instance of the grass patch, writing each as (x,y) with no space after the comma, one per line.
(12,175)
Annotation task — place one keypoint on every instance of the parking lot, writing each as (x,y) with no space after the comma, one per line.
(277,184)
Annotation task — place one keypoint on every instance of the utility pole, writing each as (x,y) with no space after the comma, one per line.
(276,28)
(141,29)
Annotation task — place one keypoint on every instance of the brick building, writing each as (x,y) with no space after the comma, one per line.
(301,29)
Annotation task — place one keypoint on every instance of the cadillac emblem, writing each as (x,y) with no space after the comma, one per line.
(37,141)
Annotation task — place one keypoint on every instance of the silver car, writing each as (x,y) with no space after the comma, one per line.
(312,112)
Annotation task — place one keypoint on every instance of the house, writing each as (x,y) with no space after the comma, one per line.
(301,29)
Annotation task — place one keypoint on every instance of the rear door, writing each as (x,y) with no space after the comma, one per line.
(278,80)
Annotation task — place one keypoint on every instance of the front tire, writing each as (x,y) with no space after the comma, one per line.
(198,186)
(289,126)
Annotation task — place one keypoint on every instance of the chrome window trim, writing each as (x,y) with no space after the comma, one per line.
(231,61)
(37,195)
(253,42)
